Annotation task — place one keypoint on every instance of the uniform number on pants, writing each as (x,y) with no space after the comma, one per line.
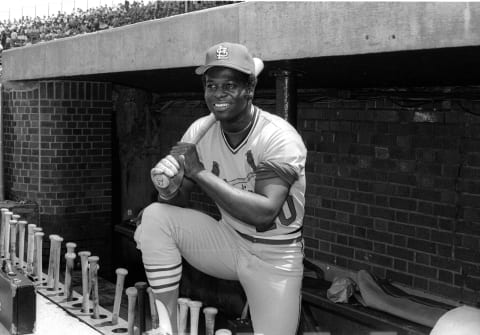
(288,213)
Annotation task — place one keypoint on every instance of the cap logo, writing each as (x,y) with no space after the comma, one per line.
(222,52)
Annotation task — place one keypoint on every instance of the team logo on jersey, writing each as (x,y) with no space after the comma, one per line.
(215,168)
(250,160)
(222,52)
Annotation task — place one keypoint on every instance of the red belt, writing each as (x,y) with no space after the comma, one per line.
(269,241)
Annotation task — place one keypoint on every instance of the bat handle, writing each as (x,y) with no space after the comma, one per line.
(85,289)
(38,254)
(69,260)
(121,274)
(13,240)
(210,313)
(141,291)
(21,243)
(194,306)
(93,278)
(182,314)
(132,299)
(153,308)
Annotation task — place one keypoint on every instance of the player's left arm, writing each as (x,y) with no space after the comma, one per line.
(259,208)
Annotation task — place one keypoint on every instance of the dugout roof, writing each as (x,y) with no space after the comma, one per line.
(332,43)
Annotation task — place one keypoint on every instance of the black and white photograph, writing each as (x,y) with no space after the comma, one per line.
(239,167)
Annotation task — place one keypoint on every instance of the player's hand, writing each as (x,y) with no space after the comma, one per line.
(188,156)
(168,166)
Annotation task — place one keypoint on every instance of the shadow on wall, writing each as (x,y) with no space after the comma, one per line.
(147,125)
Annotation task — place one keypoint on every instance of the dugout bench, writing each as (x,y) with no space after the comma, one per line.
(319,314)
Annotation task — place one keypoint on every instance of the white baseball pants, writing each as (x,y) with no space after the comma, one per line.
(271,275)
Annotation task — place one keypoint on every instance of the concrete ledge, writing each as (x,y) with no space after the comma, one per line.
(272,30)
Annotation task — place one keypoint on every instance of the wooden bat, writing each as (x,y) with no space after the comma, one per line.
(210,313)
(69,261)
(71,247)
(51,261)
(141,292)
(132,299)
(121,274)
(2,233)
(93,275)
(56,263)
(13,237)
(194,306)
(38,259)
(30,247)
(13,241)
(34,258)
(6,245)
(153,308)
(84,265)
(182,314)
(21,243)
(162,182)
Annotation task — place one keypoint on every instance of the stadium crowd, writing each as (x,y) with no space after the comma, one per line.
(28,30)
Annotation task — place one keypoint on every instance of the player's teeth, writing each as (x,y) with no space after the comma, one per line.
(221,105)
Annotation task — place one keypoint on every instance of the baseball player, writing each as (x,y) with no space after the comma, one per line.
(252,164)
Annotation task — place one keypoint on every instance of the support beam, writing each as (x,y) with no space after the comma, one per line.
(286,94)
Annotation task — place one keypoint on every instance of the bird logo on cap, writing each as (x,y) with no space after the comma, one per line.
(222,52)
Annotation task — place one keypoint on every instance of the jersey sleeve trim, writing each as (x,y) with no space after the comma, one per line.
(271,169)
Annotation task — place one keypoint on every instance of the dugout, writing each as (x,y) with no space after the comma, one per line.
(385,95)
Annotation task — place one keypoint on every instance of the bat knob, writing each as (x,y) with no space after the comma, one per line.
(161,180)
(173,184)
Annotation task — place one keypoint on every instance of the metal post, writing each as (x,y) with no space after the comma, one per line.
(2,191)
(286,95)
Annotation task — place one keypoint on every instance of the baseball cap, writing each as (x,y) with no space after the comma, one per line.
(231,55)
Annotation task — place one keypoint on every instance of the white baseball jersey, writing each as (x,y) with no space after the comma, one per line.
(271,148)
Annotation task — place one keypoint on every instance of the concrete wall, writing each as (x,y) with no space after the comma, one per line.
(272,30)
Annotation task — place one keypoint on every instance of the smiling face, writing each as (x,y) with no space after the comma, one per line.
(227,94)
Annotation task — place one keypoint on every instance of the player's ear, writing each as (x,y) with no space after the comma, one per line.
(251,84)
(249,94)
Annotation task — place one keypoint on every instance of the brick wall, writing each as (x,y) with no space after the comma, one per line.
(58,154)
(393,174)
(394,185)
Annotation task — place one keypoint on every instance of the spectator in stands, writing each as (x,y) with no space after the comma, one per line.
(28,30)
